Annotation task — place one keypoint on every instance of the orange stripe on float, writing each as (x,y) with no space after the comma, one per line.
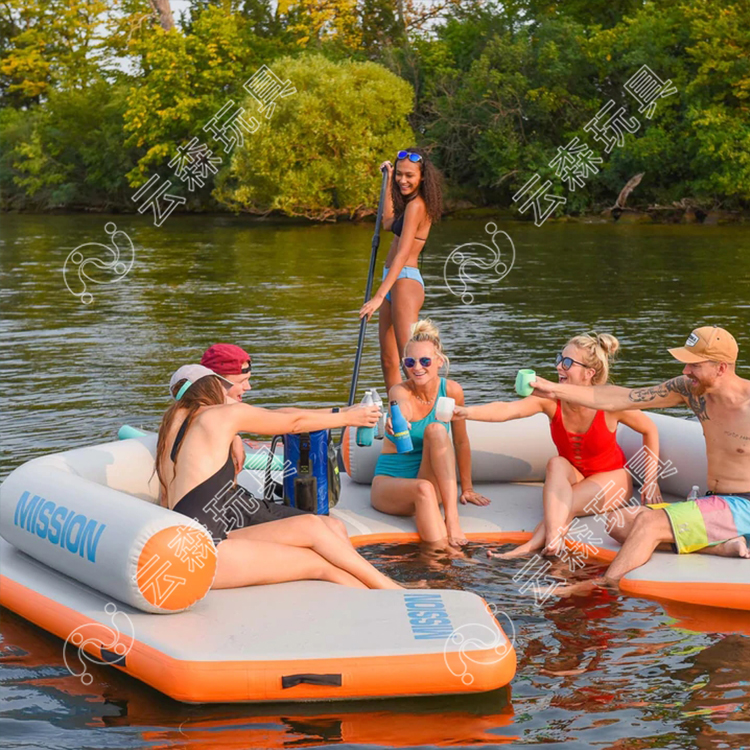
(399,675)
(728,595)
(501,537)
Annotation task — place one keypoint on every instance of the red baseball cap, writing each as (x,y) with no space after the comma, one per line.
(226,359)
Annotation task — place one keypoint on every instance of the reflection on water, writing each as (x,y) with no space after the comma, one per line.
(605,671)
(598,671)
(71,374)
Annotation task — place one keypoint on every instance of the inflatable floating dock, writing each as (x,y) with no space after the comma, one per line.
(508,465)
(88,555)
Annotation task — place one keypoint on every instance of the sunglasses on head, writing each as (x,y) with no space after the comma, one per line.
(410,362)
(410,155)
(567,362)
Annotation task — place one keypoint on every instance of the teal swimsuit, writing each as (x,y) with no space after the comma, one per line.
(406,465)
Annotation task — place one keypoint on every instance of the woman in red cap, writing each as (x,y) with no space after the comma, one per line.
(196,470)
(233,363)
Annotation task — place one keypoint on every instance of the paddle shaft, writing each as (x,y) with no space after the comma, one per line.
(368,290)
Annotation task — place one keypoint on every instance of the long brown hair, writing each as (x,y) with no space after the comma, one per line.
(206,391)
(430,187)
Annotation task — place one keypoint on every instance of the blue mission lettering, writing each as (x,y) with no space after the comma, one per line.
(427,616)
(58,525)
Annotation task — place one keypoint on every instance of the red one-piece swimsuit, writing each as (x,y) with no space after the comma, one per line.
(591,452)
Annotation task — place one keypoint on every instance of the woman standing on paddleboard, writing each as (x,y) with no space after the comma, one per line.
(413,202)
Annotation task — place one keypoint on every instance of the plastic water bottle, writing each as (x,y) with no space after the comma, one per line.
(366,434)
(401,435)
(693,495)
(380,427)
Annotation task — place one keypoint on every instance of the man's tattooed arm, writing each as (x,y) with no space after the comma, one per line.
(680,386)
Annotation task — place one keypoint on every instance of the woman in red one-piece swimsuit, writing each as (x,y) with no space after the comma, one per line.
(590,465)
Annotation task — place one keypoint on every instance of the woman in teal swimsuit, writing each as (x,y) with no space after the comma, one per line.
(419,482)
(413,203)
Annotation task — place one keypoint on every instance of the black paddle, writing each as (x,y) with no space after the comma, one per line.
(368,292)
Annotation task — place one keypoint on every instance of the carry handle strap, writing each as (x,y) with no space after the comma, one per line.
(292,680)
(269,464)
(304,452)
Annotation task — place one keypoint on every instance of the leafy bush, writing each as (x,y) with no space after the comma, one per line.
(318,156)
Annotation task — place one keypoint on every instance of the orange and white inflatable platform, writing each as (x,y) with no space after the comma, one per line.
(88,554)
(508,467)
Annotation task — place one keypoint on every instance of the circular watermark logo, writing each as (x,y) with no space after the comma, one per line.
(475,644)
(113,643)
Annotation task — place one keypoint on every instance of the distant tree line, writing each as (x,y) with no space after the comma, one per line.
(99,96)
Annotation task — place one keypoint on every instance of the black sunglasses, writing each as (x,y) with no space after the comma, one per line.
(567,362)
(410,154)
(410,362)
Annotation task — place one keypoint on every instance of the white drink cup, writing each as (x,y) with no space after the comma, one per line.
(444,408)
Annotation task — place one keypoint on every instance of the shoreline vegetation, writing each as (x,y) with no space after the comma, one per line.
(97,97)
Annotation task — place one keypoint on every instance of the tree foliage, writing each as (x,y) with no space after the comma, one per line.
(318,157)
(96,96)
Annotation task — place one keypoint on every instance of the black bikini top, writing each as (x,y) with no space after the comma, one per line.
(398,225)
(178,440)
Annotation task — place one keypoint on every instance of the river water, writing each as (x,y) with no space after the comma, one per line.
(605,671)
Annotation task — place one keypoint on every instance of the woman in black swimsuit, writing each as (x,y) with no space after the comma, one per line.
(197,466)
(413,203)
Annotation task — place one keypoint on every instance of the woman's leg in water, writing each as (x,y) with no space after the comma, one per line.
(591,496)
(309,531)
(439,466)
(410,497)
(245,562)
(560,476)
(567,495)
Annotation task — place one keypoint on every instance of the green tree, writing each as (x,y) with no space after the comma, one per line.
(183,79)
(318,156)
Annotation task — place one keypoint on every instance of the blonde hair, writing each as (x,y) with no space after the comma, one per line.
(426,330)
(598,350)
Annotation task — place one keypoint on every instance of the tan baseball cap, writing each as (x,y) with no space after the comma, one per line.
(707,343)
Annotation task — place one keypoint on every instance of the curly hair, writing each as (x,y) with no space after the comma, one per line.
(430,187)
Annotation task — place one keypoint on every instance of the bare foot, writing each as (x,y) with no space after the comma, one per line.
(522,550)
(420,584)
(732,548)
(582,588)
(552,549)
(457,540)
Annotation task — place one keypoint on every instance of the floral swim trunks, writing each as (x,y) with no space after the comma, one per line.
(708,520)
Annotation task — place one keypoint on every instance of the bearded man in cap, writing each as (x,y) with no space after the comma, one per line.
(719,522)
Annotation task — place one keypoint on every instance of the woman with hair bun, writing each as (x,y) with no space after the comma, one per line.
(413,204)
(417,483)
(588,475)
